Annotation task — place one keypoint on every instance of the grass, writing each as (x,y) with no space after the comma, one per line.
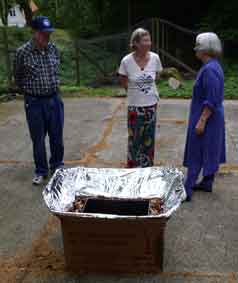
(185,91)
(92,92)
(165,91)
(231,84)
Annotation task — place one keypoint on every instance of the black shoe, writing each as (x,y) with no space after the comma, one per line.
(188,198)
(201,187)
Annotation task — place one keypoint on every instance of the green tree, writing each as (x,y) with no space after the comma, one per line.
(79,17)
(222,18)
(50,9)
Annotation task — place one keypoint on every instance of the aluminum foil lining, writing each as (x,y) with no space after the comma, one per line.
(139,183)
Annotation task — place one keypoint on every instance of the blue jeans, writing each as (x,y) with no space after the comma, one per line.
(45,116)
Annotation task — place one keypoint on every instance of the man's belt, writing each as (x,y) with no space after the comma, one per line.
(42,96)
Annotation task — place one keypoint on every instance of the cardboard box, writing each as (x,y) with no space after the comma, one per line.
(109,216)
(113,246)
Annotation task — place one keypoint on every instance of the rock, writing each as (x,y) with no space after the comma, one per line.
(174,83)
(171,72)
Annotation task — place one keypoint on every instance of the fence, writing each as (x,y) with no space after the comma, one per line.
(95,60)
(174,44)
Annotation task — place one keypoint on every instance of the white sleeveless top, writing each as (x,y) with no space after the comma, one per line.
(142,90)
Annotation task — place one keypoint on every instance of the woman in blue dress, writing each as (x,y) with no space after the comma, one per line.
(205,144)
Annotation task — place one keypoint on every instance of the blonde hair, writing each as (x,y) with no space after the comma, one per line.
(136,37)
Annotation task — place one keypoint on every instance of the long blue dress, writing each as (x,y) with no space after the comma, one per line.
(207,151)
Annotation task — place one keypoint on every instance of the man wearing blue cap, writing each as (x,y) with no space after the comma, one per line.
(36,69)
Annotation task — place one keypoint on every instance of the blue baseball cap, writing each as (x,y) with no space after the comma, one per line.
(42,24)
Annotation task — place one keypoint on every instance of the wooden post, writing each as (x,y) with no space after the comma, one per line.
(153,33)
(157,35)
(129,16)
(163,40)
(56,8)
(4,16)
(105,57)
(7,56)
(77,61)
(167,39)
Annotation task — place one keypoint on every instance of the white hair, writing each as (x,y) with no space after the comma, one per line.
(137,36)
(210,43)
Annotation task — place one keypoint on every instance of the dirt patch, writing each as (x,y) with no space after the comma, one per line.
(164,141)
(173,121)
(42,259)
(90,157)
(9,109)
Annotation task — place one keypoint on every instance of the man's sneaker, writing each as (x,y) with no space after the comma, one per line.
(38,180)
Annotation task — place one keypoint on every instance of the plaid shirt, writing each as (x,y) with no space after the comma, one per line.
(36,72)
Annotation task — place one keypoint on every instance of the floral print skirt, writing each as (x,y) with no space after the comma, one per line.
(141,136)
